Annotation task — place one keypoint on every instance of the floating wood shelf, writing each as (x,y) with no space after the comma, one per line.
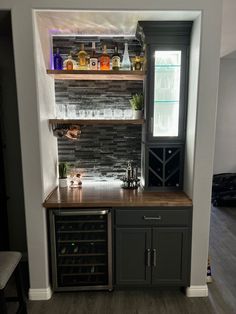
(95,121)
(97,75)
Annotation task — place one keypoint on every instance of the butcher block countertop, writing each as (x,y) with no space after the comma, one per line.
(110,194)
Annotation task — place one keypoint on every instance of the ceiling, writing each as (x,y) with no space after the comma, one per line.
(95,23)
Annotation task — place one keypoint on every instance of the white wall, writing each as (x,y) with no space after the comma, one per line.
(225,148)
(33,152)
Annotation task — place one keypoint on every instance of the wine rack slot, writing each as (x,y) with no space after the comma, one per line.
(81,249)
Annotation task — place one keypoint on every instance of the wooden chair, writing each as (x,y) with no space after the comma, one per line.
(9,265)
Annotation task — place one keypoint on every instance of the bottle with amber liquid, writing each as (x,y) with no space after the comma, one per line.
(69,64)
(104,60)
(93,61)
(115,59)
(82,58)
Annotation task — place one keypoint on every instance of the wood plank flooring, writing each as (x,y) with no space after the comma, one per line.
(222,292)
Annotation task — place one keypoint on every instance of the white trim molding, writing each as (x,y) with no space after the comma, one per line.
(197,291)
(40,294)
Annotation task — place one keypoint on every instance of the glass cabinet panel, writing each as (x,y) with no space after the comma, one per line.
(166,93)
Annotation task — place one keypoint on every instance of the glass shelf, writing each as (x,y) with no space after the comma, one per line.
(166,87)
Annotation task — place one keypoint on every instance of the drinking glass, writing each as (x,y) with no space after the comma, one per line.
(118,113)
(107,113)
(71,111)
(128,114)
(88,114)
(96,114)
(60,111)
(81,114)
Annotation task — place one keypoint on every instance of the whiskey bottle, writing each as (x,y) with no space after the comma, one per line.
(93,62)
(137,63)
(104,60)
(126,61)
(115,60)
(82,58)
(57,61)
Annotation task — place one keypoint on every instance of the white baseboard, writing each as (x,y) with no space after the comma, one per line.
(40,294)
(197,291)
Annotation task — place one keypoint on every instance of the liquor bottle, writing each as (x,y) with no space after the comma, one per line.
(104,60)
(126,61)
(115,60)
(57,61)
(82,59)
(93,62)
(69,63)
(137,63)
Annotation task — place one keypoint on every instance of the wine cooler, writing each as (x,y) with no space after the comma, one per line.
(81,249)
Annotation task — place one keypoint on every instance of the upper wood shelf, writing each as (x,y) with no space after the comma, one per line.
(97,75)
(96,121)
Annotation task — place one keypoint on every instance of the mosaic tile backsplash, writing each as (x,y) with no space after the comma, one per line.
(102,151)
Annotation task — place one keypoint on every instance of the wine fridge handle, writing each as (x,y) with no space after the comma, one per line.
(82,212)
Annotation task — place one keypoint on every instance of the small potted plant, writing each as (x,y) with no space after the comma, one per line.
(62,174)
(137,105)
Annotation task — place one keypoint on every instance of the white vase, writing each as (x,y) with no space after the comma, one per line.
(137,114)
(63,183)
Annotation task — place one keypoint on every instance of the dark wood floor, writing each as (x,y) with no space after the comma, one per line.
(222,292)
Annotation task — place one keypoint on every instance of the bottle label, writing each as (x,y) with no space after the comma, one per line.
(69,65)
(105,62)
(93,64)
(115,62)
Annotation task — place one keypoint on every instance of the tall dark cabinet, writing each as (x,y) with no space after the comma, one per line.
(166,94)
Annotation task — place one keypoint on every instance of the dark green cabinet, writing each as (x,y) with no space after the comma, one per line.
(170,256)
(132,256)
(153,247)
(166,96)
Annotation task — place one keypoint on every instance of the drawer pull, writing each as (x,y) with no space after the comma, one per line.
(154,257)
(152,218)
(148,257)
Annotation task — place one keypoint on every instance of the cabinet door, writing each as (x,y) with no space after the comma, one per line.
(168,93)
(132,256)
(170,256)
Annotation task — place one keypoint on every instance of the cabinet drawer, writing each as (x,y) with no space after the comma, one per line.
(154,217)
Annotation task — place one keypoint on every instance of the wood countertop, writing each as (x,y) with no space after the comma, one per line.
(107,194)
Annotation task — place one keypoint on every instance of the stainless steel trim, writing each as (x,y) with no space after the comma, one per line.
(82,212)
(152,218)
(53,248)
(154,257)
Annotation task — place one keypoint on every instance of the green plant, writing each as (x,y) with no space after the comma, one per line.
(62,170)
(137,102)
